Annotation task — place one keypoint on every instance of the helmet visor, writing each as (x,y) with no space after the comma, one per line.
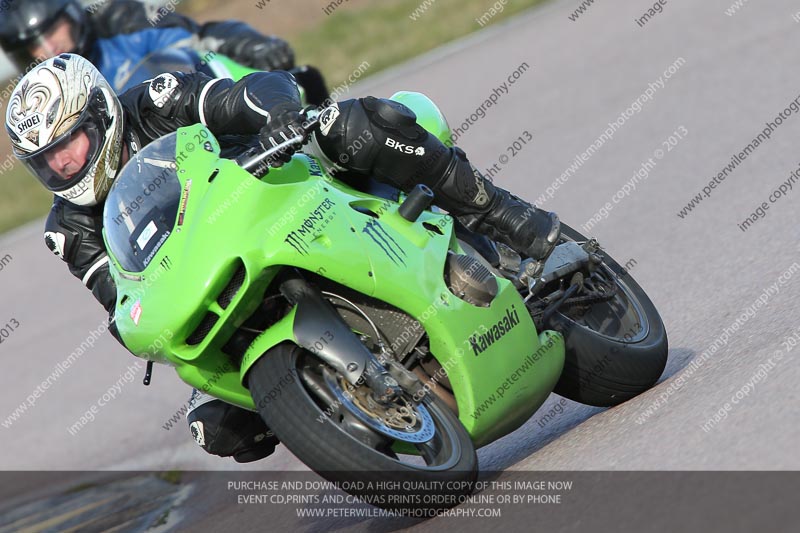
(26,45)
(61,37)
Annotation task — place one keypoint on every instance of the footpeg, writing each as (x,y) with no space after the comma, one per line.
(510,261)
(531,276)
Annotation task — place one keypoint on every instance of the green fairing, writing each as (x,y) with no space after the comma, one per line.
(230,68)
(428,114)
(298,215)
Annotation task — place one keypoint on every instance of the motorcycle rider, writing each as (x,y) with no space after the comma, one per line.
(116,35)
(74,134)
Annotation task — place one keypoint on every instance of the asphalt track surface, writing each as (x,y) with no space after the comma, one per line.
(734,74)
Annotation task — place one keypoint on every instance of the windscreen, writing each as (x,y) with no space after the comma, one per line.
(142,205)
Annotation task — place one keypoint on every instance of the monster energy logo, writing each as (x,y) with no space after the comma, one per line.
(480,342)
(382,238)
(316,220)
(297,243)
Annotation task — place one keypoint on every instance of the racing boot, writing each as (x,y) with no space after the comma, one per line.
(492,211)
(227,430)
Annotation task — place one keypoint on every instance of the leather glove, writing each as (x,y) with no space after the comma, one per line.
(280,129)
(266,52)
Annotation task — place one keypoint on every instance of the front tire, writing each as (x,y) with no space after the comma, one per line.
(296,396)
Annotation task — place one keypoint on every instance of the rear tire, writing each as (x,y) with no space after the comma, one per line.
(607,369)
(281,383)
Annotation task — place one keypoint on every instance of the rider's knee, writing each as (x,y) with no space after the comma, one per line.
(353,132)
(230,431)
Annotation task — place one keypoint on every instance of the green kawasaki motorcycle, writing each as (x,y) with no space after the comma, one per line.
(377,337)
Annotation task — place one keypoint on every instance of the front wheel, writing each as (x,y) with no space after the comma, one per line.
(615,349)
(341,433)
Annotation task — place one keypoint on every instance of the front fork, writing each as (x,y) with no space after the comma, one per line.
(316,319)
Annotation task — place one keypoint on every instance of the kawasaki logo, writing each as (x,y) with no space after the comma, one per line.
(480,342)
(405,148)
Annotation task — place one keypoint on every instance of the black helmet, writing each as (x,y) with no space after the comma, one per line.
(23,22)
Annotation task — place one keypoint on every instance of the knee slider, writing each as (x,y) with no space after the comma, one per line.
(394,117)
(226,430)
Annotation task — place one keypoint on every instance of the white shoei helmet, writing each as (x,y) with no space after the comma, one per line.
(55,102)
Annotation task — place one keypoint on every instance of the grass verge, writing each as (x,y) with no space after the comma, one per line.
(23,199)
(384,33)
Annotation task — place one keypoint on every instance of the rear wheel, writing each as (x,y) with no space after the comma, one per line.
(615,349)
(338,431)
